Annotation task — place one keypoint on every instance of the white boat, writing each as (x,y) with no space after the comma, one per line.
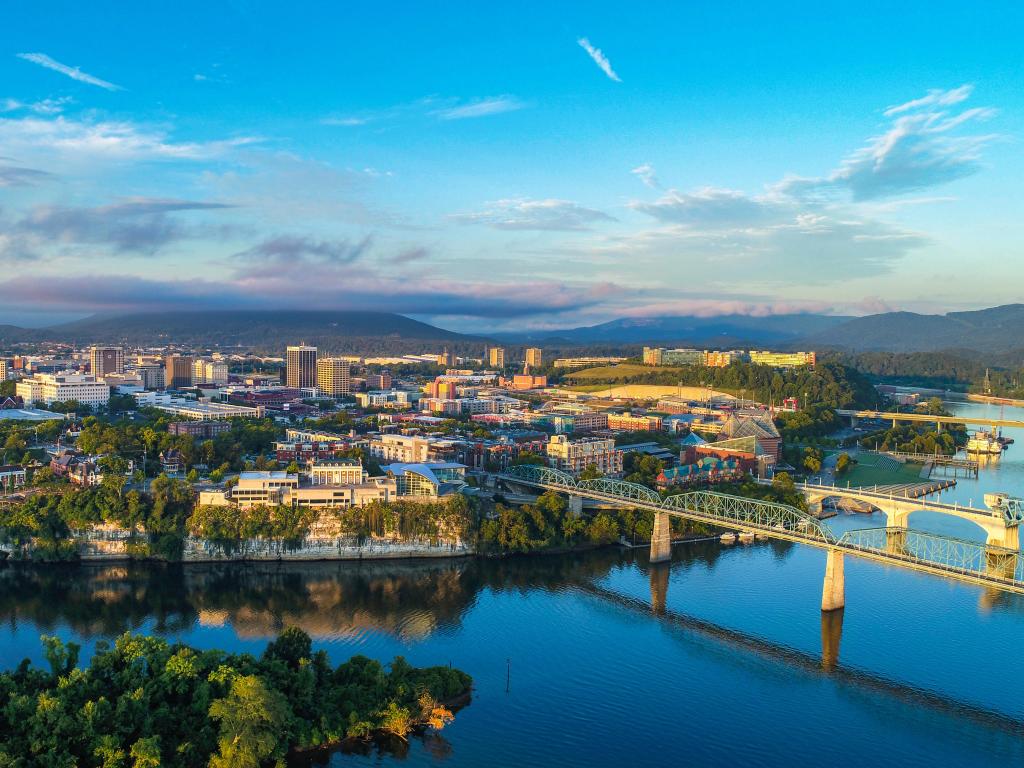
(985,443)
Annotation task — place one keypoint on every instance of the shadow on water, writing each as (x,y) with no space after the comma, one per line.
(409,600)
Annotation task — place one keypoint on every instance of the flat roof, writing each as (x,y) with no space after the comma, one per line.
(29,414)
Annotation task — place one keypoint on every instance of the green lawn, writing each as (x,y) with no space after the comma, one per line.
(873,469)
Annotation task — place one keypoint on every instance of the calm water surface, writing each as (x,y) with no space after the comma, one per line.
(723,656)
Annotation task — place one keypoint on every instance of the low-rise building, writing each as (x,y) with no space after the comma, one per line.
(783,359)
(11,476)
(390,398)
(627,422)
(430,479)
(49,388)
(203,430)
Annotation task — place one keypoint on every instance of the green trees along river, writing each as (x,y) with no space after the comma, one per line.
(144,703)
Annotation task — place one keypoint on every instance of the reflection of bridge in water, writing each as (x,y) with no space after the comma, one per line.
(991,564)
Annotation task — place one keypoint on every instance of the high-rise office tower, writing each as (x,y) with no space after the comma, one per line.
(104,360)
(300,365)
(496,357)
(534,356)
(333,376)
(178,371)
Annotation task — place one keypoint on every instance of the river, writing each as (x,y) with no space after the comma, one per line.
(574,667)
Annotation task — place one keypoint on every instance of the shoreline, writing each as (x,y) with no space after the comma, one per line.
(110,559)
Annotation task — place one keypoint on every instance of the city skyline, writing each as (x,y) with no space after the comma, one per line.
(494,169)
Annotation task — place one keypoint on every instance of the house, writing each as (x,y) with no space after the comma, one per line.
(11,476)
(172,463)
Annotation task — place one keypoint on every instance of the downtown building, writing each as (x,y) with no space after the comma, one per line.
(334,376)
(178,370)
(49,388)
(300,367)
(106,360)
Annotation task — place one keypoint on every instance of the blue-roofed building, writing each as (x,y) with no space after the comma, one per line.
(433,479)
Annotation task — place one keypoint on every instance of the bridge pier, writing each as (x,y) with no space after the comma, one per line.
(661,538)
(896,540)
(833,592)
(1008,537)
(575,505)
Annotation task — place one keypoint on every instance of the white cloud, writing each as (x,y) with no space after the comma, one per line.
(920,149)
(73,72)
(481,108)
(535,214)
(599,58)
(935,97)
(647,175)
(120,140)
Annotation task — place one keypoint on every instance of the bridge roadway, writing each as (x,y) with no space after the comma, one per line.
(1000,525)
(989,421)
(967,561)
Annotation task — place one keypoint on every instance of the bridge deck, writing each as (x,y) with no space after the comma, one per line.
(970,562)
(930,419)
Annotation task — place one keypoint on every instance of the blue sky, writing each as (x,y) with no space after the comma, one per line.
(488,166)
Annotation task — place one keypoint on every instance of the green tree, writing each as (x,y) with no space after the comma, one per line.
(251,718)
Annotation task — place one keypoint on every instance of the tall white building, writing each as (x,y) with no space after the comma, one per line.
(49,388)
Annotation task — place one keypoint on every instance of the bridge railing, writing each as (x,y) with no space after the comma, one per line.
(721,507)
(946,552)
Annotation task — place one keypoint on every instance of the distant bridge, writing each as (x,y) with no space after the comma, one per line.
(991,565)
(928,418)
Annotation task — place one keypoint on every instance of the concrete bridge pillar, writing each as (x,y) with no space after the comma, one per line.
(1006,537)
(833,593)
(831,635)
(1000,563)
(659,588)
(576,505)
(661,538)
(896,541)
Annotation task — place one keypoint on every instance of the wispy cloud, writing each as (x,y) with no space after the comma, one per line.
(647,175)
(114,140)
(599,58)
(73,72)
(934,98)
(481,108)
(923,147)
(41,107)
(563,215)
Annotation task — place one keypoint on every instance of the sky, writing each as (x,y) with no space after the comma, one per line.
(489,167)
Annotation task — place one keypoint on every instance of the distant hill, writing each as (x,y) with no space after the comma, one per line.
(265,330)
(723,330)
(993,330)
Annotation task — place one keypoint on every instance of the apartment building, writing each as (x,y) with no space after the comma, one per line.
(574,456)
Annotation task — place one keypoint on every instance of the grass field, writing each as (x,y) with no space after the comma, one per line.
(612,373)
(873,469)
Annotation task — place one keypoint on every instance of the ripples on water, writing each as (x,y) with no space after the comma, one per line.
(722,658)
